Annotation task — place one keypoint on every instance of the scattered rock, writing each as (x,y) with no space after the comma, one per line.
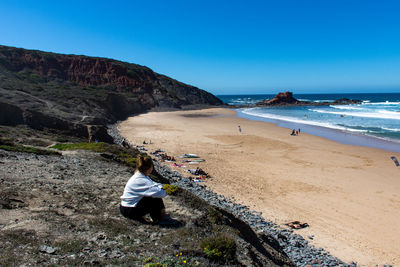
(47,249)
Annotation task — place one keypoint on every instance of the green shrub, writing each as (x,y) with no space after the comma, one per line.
(97,147)
(149,259)
(219,248)
(171,189)
(120,154)
(128,159)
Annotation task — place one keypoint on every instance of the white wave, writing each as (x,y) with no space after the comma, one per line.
(239,101)
(346,107)
(253,112)
(389,112)
(296,120)
(291,119)
(375,115)
(391,129)
(242,101)
(383,103)
(318,101)
(358,130)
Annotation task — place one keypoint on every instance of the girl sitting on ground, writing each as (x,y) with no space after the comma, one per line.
(144,196)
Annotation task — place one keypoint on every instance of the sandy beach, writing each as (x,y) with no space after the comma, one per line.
(349,195)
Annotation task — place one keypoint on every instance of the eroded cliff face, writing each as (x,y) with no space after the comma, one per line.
(79,69)
(91,71)
(79,90)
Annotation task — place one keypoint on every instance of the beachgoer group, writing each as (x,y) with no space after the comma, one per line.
(295,132)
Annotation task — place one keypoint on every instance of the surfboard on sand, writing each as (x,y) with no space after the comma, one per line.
(189,156)
(395,161)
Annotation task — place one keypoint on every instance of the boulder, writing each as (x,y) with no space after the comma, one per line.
(10,114)
(99,133)
(280,99)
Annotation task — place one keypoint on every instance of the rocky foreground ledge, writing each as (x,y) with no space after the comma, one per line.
(61,207)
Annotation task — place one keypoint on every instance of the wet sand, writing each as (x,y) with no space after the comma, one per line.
(349,195)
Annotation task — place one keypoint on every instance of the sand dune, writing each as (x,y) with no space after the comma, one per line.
(349,195)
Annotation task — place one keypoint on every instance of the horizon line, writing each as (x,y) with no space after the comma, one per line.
(314,93)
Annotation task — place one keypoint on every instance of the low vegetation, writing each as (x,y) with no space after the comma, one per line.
(70,246)
(9,145)
(171,189)
(114,152)
(219,248)
(97,147)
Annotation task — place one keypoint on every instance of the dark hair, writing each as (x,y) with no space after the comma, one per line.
(144,163)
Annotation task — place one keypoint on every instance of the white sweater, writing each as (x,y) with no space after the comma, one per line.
(139,186)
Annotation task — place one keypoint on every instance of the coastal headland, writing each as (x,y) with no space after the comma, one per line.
(349,195)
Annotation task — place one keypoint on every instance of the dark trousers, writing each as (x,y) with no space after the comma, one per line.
(145,206)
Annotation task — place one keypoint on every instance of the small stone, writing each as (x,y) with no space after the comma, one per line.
(101,236)
(47,249)
(71,257)
(153,236)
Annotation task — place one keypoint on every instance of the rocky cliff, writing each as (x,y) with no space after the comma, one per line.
(72,93)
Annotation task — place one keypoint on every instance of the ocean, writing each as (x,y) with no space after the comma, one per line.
(375,122)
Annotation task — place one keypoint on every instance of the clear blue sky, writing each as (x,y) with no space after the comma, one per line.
(236,47)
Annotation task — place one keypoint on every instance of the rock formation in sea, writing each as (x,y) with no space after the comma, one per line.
(280,99)
(72,93)
(287,99)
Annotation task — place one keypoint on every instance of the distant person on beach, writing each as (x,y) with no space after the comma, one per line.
(240,129)
(293,132)
(144,196)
